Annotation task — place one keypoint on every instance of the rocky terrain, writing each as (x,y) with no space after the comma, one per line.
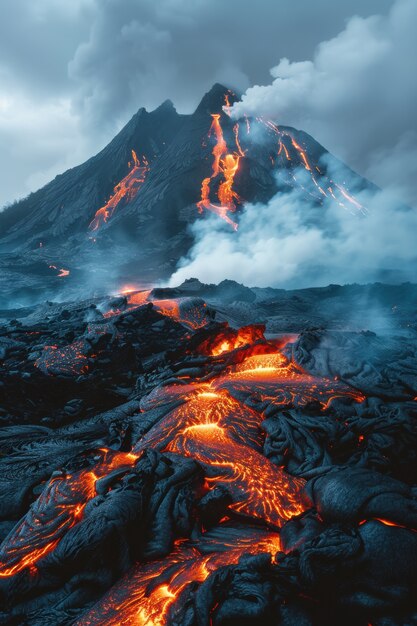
(210,455)
(199,455)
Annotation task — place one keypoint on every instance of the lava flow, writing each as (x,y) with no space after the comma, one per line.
(225,164)
(126,189)
(281,383)
(59,507)
(209,422)
(148,593)
(191,312)
(287,144)
(258,489)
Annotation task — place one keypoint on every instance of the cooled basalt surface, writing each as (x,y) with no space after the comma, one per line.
(161,466)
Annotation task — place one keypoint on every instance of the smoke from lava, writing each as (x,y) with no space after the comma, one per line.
(291,242)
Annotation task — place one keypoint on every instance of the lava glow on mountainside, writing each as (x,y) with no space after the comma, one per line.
(224,167)
(288,143)
(126,190)
(218,193)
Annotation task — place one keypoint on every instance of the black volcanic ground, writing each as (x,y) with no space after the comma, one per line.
(211,455)
(205,455)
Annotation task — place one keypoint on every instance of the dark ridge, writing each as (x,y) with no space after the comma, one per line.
(214,100)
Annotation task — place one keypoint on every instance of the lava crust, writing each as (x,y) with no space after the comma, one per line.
(159,467)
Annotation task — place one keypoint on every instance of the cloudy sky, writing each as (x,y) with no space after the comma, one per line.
(73,72)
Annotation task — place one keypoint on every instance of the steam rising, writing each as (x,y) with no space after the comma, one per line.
(291,242)
(357,96)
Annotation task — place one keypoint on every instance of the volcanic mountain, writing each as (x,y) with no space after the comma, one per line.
(205,454)
(125,212)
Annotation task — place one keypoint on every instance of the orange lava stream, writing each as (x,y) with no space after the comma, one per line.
(239,147)
(38,533)
(258,488)
(59,507)
(145,596)
(127,188)
(224,164)
(203,406)
(224,435)
(226,438)
(282,383)
(282,148)
(182,310)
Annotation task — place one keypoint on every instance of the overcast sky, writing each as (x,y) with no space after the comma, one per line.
(72,72)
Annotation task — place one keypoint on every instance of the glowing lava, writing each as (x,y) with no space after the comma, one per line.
(71,359)
(230,339)
(225,165)
(287,144)
(59,507)
(191,312)
(219,425)
(226,438)
(258,488)
(126,189)
(147,594)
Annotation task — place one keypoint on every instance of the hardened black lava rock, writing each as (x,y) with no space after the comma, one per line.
(136,514)
(377,365)
(354,562)
(81,384)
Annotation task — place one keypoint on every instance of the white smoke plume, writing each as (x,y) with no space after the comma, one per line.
(293,243)
(357,96)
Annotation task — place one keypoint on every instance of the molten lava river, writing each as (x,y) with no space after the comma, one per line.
(215,420)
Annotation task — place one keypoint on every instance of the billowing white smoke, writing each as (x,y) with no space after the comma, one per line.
(293,243)
(357,97)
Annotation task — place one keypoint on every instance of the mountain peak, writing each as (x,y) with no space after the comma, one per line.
(216,98)
(167,105)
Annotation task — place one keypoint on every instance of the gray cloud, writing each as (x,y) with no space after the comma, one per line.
(357,96)
(37,40)
(40,135)
(147,51)
(73,72)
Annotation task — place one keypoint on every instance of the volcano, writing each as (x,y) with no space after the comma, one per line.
(130,206)
(198,455)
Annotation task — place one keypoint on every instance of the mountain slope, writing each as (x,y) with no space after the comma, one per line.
(124,213)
